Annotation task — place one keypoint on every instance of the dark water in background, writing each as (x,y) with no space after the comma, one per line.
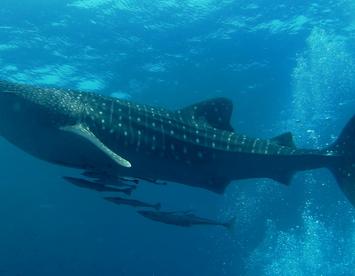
(286,66)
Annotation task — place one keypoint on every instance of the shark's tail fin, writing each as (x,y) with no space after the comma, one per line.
(344,170)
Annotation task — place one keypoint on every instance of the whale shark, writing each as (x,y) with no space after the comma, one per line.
(195,145)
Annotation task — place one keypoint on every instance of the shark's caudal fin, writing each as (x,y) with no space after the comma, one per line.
(344,170)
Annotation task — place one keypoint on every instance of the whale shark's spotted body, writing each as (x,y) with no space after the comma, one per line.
(196,145)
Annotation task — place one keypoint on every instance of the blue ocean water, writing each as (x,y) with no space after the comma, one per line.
(286,65)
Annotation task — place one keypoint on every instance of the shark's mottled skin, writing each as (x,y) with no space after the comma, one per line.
(195,146)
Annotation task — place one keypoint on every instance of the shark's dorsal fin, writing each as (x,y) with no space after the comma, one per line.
(285,139)
(217,185)
(285,178)
(215,112)
(88,135)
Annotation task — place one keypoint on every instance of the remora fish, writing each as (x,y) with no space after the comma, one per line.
(132,202)
(105,179)
(184,219)
(195,146)
(83,183)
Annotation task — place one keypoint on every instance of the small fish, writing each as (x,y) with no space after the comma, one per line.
(183,219)
(83,183)
(107,179)
(154,181)
(132,202)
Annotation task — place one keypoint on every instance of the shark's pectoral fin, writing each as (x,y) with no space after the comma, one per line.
(89,136)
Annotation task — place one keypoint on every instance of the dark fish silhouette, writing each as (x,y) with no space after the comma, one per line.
(153,181)
(132,202)
(184,219)
(106,179)
(83,183)
(195,145)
